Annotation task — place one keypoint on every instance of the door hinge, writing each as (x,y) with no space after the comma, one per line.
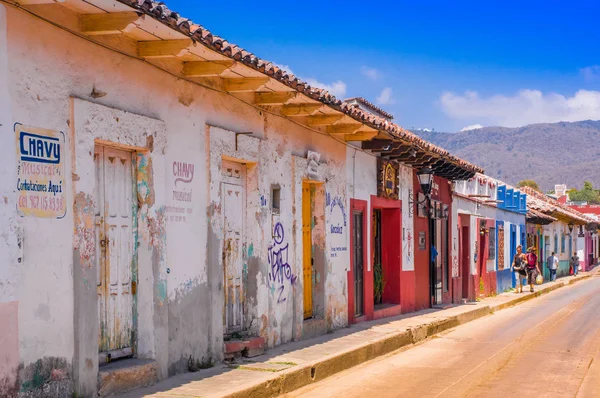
(133,287)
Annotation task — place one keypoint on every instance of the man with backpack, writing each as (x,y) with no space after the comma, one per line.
(532,267)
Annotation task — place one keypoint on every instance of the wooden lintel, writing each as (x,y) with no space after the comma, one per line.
(300,109)
(206,68)
(362,136)
(245,84)
(163,48)
(274,97)
(107,23)
(344,128)
(323,120)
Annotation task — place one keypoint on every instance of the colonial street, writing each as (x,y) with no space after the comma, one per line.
(547,347)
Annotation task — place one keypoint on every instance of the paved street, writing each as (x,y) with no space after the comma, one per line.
(545,348)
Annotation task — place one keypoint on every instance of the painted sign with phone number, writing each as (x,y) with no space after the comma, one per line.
(40,172)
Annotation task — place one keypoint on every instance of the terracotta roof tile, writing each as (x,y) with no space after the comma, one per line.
(199,34)
(539,202)
(370,105)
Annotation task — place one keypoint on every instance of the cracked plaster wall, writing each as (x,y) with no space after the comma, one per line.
(50,77)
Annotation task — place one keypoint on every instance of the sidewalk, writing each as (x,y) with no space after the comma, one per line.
(297,364)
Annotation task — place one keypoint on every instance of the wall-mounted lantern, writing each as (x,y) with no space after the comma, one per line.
(425,176)
(570,227)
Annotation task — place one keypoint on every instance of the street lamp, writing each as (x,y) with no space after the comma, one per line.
(425,176)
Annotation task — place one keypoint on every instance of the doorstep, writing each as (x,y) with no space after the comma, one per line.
(126,374)
(388,311)
(313,327)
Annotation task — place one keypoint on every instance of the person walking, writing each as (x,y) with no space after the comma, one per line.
(518,267)
(552,264)
(575,263)
(532,267)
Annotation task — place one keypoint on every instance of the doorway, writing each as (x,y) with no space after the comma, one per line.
(465,258)
(378,275)
(307,258)
(115,234)
(234,205)
(358,262)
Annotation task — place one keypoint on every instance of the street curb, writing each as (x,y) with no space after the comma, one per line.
(306,374)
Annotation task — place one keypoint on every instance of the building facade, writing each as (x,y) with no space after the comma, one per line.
(167,193)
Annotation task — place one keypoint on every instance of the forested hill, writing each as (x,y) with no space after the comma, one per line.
(549,153)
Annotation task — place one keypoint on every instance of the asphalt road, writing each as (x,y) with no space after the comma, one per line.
(547,347)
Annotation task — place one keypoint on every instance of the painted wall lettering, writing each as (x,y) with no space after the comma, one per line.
(337,224)
(40,172)
(280,271)
(181,205)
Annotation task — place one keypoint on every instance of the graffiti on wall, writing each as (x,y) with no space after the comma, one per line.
(280,271)
(407,248)
(337,224)
(181,199)
(40,172)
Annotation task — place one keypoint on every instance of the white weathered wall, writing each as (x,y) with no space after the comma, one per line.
(44,72)
(361,174)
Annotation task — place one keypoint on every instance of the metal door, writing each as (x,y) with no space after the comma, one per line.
(307,260)
(357,236)
(233,195)
(114,215)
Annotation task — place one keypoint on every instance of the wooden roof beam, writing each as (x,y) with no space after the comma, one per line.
(324,120)
(206,68)
(361,136)
(274,97)
(378,145)
(163,48)
(238,85)
(107,23)
(300,109)
(344,129)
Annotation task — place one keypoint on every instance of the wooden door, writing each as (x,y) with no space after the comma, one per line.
(307,259)
(233,195)
(465,260)
(358,257)
(114,242)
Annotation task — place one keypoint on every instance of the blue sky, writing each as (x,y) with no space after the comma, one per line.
(440,64)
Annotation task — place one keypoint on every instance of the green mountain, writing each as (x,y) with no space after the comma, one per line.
(549,153)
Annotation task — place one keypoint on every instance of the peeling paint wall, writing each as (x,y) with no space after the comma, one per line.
(53,262)
(10,234)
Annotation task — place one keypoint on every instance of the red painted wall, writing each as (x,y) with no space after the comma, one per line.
(391,243)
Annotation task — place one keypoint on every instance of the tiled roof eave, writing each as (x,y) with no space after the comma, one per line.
(197,33)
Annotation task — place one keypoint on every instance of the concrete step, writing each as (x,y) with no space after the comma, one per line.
(127,374)
(313,328)
(248,348)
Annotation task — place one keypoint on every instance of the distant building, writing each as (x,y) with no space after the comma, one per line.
(370,107)
(560,190)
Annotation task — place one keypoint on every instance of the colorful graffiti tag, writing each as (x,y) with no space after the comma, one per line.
(280,271)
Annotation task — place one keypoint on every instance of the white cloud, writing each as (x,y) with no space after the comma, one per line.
(525,107)
(471,127)
(371,73)
(285,68)
(385,98)
(590,72)
(337,88)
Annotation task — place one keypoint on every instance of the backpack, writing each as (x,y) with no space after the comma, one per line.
(531,259)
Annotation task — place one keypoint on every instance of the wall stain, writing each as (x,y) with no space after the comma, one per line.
(84,238)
